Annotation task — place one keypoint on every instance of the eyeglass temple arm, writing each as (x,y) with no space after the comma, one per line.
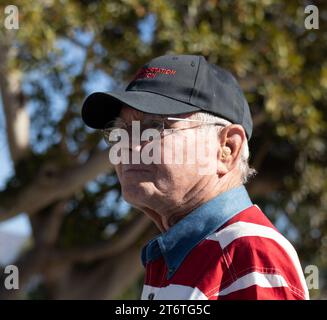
(193,120)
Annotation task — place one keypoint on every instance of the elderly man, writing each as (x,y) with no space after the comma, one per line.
(214,243)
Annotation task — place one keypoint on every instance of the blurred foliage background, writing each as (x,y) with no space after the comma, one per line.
(86,240)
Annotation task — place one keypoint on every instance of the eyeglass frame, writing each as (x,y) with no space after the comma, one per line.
(162,119)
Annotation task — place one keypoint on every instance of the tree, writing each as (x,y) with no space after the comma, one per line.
(85,243)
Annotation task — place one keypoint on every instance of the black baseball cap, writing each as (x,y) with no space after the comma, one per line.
(172,85)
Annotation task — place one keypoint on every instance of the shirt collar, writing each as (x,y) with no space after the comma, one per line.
(182,237)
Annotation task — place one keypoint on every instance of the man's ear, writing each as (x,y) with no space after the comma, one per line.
(231,140)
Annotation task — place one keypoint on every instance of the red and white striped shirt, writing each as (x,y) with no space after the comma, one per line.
(246,258)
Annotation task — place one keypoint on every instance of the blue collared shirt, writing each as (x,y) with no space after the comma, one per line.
(181,238)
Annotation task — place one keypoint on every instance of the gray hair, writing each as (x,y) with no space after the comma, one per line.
(245,170)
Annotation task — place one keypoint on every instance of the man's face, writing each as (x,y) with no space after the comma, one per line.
(155,186)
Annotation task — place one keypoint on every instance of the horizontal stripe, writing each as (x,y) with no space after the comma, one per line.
(250,254)
(260,293)
(254,278)
(245,229)
(173,292)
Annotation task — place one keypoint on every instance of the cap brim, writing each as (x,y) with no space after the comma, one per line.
(99,108)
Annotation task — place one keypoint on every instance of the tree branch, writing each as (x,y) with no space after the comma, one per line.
(110,278)
(46,225)
(46,190)
(125,238)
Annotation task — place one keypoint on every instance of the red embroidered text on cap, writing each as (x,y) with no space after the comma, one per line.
(152,72)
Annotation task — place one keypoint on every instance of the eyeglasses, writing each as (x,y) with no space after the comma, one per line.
(113,130)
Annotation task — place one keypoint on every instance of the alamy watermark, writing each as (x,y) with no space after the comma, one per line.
(152,146)
(11,21)
(11,277)
(312,19)
(312,276)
